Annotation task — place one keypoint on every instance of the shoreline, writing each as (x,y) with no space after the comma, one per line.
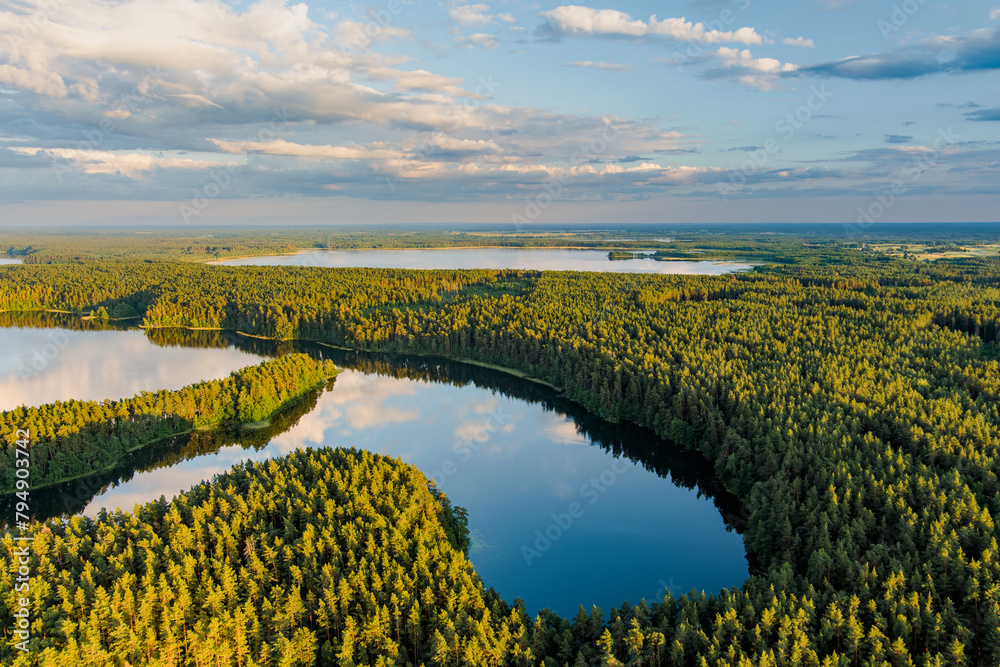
(216,426)
(78,313)
(306,251)
(472,362)
(262,424)
(215,262)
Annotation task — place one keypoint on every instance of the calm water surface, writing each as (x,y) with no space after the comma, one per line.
(40,366)
(519,457)
(540,259)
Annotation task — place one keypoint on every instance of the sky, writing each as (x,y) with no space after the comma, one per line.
(211,112)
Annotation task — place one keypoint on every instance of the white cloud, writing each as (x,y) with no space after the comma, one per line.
(473,430)
(482,39)
(566,432)
(449,144)
(470,15)
(416,156)
(193,99)
(362,399)
(359,35)
(189,86)
(744,59)
(648,172)
(644,166)
(995,14)
(799,41)
(833,5)
(183,35)
(578,20)
(130,164)
(419,80)
(589,64)
(183,63)
(365,416)
(282,147)
(741,66)
(49,84)
(477,15)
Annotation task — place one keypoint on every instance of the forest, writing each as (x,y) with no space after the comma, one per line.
(77,438)
(336,555)
(74,495)
(42,247)
(768,243)
(849,404)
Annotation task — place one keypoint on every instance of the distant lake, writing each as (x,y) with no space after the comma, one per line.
(649,516)
(538,259)
(10,260)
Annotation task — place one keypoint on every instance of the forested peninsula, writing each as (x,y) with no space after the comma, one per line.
(329,556)
(850,406)
(75,438)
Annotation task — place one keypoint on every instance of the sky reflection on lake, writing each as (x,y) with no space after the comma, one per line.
(555,518)
(39,366)
(518,469)
(539,259)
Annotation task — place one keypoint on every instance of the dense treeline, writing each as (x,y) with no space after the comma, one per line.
(851,407)
(778,243)
(73,496)
(222,243)
(168,293)
(339,554)
(683,468)
(74,438)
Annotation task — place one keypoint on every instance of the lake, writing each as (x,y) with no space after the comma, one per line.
(538,259)
(564,508)
(40,366)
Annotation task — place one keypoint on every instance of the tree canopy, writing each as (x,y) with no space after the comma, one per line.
(851,407)
(74,438)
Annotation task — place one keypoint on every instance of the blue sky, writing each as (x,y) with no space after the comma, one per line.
(145,111)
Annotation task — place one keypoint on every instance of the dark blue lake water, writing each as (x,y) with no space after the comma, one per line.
(564,508)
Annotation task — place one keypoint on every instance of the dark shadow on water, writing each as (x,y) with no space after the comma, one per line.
(51,320)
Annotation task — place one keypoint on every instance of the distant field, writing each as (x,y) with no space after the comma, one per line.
(922,252)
